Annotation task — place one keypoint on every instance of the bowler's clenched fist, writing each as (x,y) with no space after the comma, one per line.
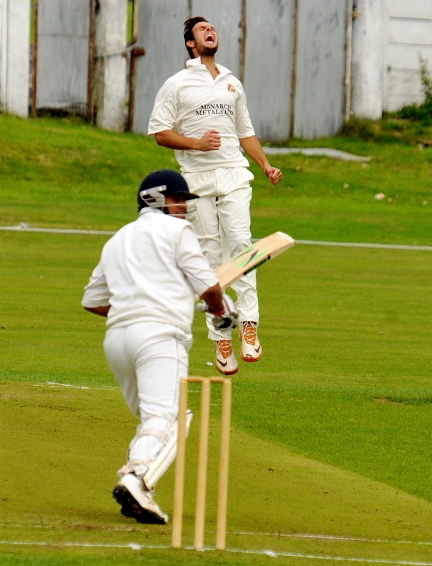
(210,141)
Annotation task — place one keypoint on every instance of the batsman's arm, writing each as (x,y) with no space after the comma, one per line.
(96,294)
(226,318)
(213,298)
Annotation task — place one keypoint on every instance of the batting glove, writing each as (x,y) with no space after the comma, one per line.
(226,318)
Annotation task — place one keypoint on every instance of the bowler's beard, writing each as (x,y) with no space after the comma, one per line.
(204,51)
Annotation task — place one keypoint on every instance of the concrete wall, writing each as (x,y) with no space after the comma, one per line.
(14,56)
(389,38)
(110,65)
(368,59)
(408,37)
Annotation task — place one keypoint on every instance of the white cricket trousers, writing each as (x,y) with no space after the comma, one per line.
(222,225)
(148,360)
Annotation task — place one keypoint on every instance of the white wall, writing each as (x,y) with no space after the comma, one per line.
(408,37)
(367,62)
(110,69)
(389,37)
(14,56)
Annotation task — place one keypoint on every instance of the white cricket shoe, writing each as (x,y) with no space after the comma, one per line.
(251,350)
(226,362)
(137,502)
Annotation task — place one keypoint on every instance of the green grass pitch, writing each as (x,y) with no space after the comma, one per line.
(331,430)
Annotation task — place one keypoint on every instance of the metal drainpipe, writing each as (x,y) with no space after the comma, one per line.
(351,10)
(4,33)
(134,53)
(132,70)
(33,109)
(242,40)
(91,64)
(293,68)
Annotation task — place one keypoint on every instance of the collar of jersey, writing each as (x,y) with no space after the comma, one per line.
(196,64)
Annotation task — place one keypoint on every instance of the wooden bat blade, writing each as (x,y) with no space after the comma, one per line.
(252,257)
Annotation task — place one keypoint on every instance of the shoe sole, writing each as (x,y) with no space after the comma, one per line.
(251,359)
(227,372)
(248,359)
(131,508)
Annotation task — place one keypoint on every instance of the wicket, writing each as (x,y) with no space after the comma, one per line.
(202,462)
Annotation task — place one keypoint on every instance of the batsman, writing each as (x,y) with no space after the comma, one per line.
(146,283)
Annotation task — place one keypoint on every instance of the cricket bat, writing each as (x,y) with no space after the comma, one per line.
(252,257)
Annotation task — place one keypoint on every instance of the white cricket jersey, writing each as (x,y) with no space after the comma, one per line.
(149,271)
(191,102)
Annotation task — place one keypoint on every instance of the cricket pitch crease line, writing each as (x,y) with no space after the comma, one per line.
(365,245)
(107,388)
(23,227)
(330,537)
(267,552)
(56,384)
(244,533)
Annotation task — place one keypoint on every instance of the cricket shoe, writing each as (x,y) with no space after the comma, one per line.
(226,362)
(251,350)
(137,502)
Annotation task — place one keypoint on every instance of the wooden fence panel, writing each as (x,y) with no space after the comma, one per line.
(320,68)
(161,35)
(269,66)
(63,47)
(225,15)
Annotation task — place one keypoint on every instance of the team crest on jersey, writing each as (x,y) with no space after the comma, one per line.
(231,88)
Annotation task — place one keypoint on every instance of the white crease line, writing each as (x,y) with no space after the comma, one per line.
(268,552)
(55,384)
(132,545)
(67,385)
(365,245)
(330,537)
(26,228)
(250,533)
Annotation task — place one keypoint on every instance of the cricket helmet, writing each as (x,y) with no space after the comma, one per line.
(159,184)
